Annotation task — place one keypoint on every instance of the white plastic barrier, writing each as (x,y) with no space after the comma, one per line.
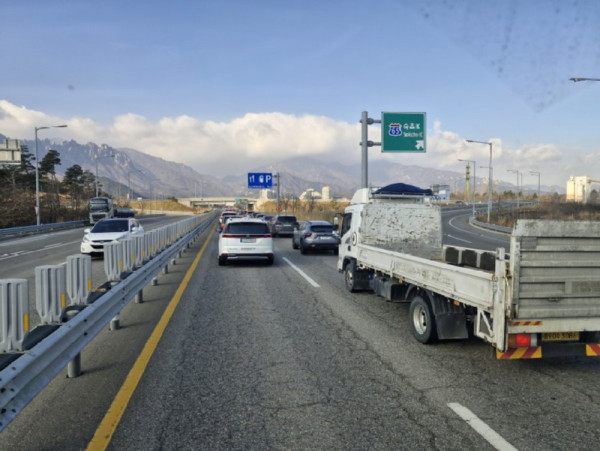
(113,261)
(140,250)
(50,292)
(128,253)
(14,314)
(79,278)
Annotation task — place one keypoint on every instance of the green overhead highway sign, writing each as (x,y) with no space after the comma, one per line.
(403,132)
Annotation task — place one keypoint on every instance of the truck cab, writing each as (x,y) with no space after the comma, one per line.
(100,208)
(398,218)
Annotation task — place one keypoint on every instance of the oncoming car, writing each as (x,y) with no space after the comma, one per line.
(108,231)
(245,239)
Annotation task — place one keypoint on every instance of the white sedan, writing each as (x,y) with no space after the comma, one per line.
(108,231)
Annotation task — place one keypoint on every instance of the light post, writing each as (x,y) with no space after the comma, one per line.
(490,176)
(490,183)
(37,172)
(538,176)
(519,174)
(474,188)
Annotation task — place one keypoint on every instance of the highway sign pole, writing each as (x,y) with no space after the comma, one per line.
(365,120)
(278,191)
(400,132)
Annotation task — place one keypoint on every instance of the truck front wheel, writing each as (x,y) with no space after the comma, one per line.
(349,276)
(422,320)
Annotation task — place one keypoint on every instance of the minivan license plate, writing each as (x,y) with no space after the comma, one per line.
(248,240)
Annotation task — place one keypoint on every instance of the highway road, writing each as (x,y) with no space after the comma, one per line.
(458,232)
(283,357)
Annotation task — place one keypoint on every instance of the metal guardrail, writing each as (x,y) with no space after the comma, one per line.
(493,227)
(41,228)
(30,359)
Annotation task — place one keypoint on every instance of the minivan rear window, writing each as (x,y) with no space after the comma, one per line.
(247,228)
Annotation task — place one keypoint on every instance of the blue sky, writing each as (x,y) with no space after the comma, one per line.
(228,86)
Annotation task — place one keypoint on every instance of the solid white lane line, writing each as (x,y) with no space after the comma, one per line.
(483,429)
(302,273)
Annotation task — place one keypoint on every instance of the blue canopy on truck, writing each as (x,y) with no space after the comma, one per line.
(404,189)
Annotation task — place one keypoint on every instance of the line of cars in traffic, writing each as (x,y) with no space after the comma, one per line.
(249,236)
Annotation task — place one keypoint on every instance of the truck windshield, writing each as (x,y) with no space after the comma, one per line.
(98,206)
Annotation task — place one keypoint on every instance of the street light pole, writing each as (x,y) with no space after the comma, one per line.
(474,188)
(491,175)
(37,172)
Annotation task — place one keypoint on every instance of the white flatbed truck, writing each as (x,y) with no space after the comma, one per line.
(543,301)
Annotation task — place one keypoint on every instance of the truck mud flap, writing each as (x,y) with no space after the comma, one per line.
(450,319)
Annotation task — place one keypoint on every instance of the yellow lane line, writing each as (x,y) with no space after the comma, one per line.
(111,420)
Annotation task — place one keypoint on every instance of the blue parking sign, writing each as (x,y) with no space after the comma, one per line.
(260,180)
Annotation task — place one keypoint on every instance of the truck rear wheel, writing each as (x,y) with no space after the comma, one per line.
(422,320)
(349,276)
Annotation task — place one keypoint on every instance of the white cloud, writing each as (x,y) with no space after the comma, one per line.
(258,139)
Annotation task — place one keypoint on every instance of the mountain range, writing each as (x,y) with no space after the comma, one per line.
(122,170)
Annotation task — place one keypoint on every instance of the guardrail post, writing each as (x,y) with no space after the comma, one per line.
(74,366)
(139,297)
(114,323)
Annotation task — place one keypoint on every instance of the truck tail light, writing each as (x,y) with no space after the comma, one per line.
(522,340)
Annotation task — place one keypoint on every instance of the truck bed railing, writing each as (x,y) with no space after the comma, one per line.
(474,287)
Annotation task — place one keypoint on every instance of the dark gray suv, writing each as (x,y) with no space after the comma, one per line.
(283,225)
(315,235)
